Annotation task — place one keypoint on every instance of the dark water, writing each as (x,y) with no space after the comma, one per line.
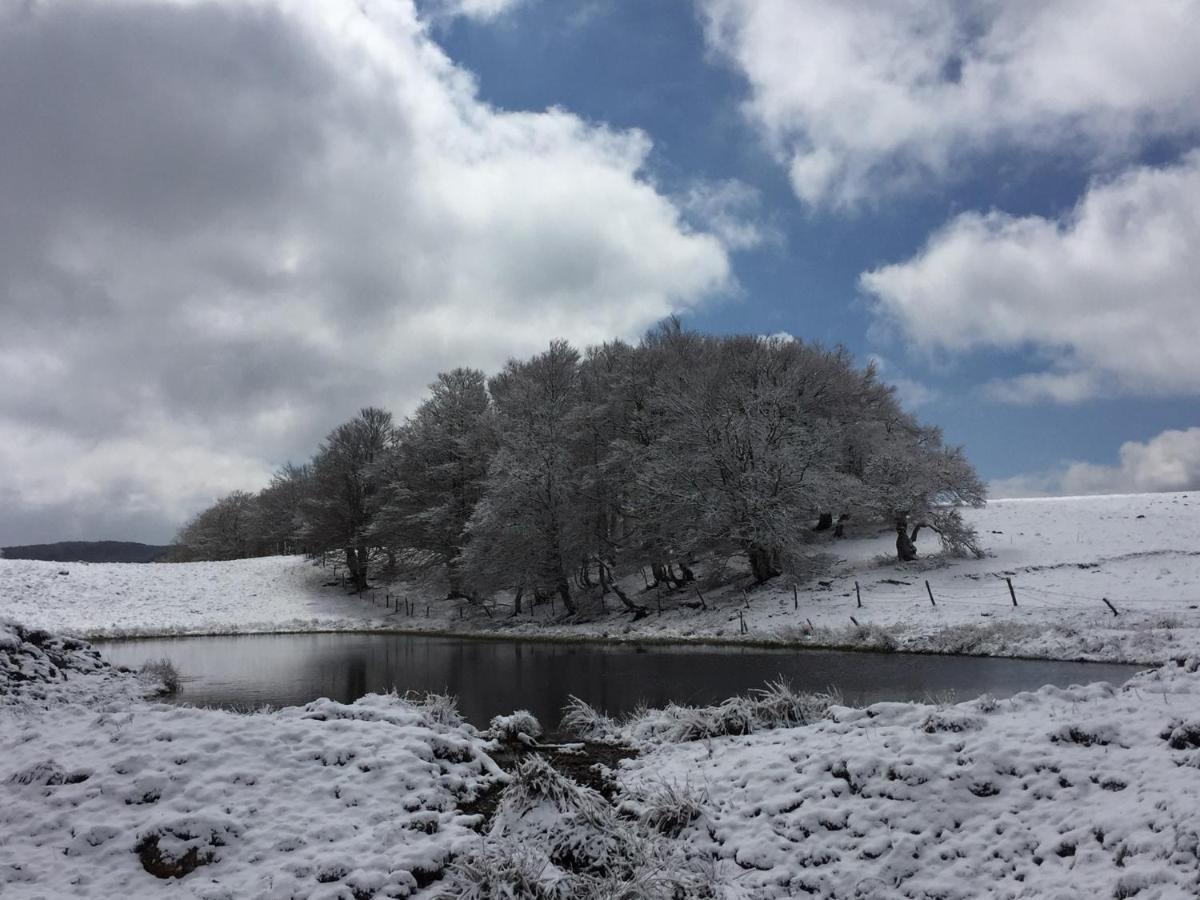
(491,677)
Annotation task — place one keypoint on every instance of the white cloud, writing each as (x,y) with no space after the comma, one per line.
(228,224)
(1109,293)
(1169,461)
(483,10)
(730,210)
(864,99)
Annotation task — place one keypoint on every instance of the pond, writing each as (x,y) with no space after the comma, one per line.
(490,677)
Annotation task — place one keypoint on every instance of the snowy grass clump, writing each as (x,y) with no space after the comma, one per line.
(777,705)
(440,708)
(582,719)
(669,808)
(163,672)
(519,727)
(553,839)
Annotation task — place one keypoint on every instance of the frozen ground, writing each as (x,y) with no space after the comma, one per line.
(1064,557)
(105,795)
(1088,792)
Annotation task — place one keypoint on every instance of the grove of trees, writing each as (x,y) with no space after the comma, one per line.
(566,472)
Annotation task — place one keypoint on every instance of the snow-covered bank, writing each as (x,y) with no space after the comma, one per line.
(104,795)
(1064,556)
(1085,792)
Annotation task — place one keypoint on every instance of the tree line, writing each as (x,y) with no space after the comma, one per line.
(567,471)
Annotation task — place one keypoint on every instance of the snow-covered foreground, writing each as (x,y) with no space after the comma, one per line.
(105,795)
(1086,792)
(1064,557)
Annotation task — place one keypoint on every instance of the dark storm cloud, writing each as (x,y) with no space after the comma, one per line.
(229,224)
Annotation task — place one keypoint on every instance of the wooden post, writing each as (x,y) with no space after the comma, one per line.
(1012,593)
(932,602)
(858,594)
(746,597)
(427,610)
(703,605)
(855,621)
(795,598)
(1110,606)
(810,625)
(742,621)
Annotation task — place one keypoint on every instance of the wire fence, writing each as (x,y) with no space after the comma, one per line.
(988,594)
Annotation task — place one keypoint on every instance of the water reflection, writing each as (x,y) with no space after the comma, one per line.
(491,677)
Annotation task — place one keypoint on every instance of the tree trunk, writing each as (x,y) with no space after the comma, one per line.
(906,551)
(840,530)
(607,583)
(356,565)
(564,591)
(762,563)
(824,523)
(517,600)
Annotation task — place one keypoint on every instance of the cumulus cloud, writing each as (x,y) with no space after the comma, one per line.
(863,99)
(227,224)
(1108,293)
(1168,462)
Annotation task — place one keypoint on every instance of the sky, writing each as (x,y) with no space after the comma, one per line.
(226,225)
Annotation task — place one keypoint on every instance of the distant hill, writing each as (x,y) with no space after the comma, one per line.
(88,551)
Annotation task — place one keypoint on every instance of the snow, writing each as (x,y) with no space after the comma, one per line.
(98,600)
(1063,555)
(1088,791)
(326,800)
(1084,791)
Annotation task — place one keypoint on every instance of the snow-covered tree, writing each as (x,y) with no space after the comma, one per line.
(224,530)
(278,516)
(434,476)
(345,494)
(527,531)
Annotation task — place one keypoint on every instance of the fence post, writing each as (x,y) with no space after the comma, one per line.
(858,594)
(795,598)
(932,602)
(1012,593)
(703,605)
(1110,606)
(746,597)
(855,621)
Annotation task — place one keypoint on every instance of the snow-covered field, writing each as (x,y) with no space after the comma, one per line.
(1064,557)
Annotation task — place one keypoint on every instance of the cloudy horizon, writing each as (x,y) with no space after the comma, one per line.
(229,224)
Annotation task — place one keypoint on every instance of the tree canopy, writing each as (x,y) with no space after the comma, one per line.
(568,470)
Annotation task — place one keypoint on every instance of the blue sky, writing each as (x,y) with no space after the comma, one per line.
(648,66)
(229,224)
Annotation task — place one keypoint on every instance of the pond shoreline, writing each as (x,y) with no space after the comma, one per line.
(622,640)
